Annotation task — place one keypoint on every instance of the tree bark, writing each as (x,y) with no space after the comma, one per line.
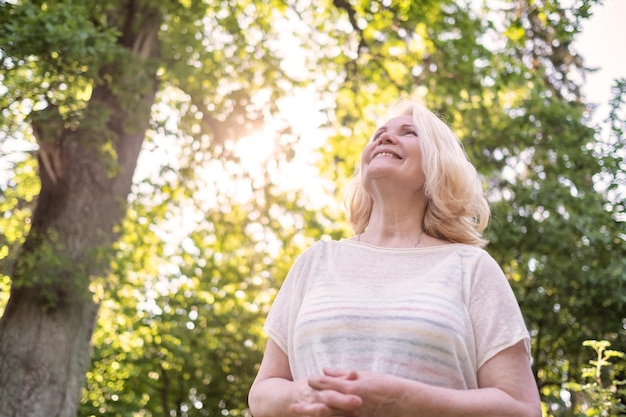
(46,329)
(45,355)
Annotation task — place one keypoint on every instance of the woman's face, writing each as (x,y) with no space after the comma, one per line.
(394,152)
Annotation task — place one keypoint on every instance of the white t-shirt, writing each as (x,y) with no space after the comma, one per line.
(434,314)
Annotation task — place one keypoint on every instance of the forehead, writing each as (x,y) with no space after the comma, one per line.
(399,121)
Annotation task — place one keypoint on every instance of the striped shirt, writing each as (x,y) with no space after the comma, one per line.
(433,315)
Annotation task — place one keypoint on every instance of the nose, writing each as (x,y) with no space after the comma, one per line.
(387,137)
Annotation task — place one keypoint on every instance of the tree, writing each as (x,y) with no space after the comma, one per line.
(87,75)
(183,335)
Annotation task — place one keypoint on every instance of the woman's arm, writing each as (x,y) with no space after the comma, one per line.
(275,394)
(507,388)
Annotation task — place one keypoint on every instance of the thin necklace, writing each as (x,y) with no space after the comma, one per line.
(419,238)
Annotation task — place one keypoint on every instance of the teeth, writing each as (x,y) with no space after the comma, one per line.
(385,154)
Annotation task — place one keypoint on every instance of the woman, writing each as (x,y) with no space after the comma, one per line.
(410,317)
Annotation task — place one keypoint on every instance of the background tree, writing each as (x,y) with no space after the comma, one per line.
(87,76)
(185,336)
(184,263)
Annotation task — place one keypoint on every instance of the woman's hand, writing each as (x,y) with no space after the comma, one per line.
(506,388)
(274,393)
(377,393)
(325,402)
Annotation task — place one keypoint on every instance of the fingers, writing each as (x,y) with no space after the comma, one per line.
(329,396)
(349,375)
(336,381)
(328,404)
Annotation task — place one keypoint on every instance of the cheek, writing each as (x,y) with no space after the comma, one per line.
(365,154)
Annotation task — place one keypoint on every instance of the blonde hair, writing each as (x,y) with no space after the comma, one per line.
(456,208)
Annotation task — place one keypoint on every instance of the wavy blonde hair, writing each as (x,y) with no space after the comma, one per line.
(456,208)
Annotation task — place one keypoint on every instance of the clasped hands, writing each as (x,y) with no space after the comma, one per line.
(339,393)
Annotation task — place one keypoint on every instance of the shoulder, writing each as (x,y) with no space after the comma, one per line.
(478,262)
(318,251)
(469,254)
(475,253)
(318,248)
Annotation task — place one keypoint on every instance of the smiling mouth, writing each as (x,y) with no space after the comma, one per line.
(386,155)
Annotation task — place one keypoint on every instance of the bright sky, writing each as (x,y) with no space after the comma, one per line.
(602,44)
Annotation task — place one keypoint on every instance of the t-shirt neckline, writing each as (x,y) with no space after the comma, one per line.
(389,249)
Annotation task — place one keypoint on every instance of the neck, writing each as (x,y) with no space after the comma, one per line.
(396,223)
(397,231)
(391,242)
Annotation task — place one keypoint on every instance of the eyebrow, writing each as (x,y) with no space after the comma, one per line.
(384,128)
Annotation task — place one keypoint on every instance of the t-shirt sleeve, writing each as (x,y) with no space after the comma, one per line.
(280,319)
(494,311)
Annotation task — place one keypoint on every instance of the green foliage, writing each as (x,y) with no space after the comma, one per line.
(602,396)
(16,205)
(33,269)
(180,326)
(52,51)
(599,392)
(61,34)
(612,150)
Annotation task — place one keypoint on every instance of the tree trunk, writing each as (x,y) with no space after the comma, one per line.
(48,322)
(45,355)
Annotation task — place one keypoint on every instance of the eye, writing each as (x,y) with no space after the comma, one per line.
(410,132)
(377,135)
